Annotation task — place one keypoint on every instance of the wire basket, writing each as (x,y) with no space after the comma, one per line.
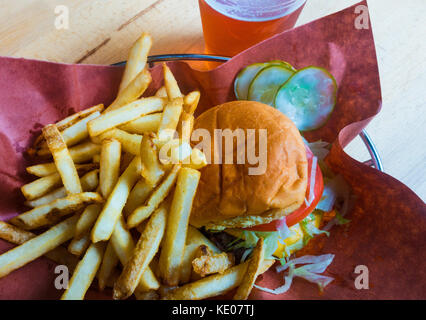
(375,160)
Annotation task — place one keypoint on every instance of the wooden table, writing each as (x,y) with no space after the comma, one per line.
(101,32)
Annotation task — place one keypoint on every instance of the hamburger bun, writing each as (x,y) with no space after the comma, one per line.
(227,196)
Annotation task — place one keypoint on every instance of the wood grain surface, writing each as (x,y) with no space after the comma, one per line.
(102,31)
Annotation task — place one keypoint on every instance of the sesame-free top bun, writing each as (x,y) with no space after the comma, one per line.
(227,196)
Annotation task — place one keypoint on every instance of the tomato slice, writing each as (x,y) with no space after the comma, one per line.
(304,210)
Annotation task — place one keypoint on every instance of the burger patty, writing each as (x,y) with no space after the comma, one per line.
(223,240)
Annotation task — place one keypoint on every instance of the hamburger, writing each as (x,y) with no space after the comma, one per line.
(233,207)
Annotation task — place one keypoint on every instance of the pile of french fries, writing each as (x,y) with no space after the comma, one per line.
(120,203)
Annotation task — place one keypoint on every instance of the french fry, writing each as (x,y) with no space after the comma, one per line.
(210,286)
(136,61)
(185,126)
(198,159)
(53,211)
(72,119)
(170,83)
(144,252)
(36,247)
(78,131)
(41,186)
(89,182)
(206,262)
(130,143)
(96,158)
(73,134)
(214,285)
(190,102)
(165,290)
(122,241)
(46,169)
(154,263)
(85,272)
(87,220)
(14,235)
(84,152)
(69,121)
(42,170)
(254,266)
(124,245)
(126,158)
(173,247)
(152,170)
(108,265)
(107,219)
(77,246)
(157,196)
(132,91)
(194,239)
(62,159)
(175,151)
(161,93)
(112,279)
(169,120)
(124,114)
(147,295)
(145,124)
(137,196)
(109,166)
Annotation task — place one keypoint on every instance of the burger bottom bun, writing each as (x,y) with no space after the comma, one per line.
(251,220)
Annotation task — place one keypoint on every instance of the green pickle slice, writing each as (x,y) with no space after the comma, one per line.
(246,76)
(308,98)
(265,85)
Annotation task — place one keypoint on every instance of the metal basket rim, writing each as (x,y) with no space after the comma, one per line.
(375,160)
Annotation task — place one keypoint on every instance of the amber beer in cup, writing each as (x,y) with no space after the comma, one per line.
(231,26)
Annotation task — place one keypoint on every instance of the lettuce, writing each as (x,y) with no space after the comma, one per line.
(340,220)
(249,240)
(320,149)
(283,231)
(310,271)
(309,230)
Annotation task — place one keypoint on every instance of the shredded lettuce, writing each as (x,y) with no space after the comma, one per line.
(312,181)
(319,148)
(283,231)
(340,220)
(328,198)
(246,254)
(309,230)
(310,271)
(341,192)
(249,239)
(320,262)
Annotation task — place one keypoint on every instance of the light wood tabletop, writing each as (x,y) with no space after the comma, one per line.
(101,32)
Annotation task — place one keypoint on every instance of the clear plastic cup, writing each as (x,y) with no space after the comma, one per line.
(231,26)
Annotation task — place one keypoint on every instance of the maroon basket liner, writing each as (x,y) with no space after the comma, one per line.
(387,232)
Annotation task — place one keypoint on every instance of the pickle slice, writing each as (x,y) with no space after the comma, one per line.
(308,98)
(246,76)
(265,85)
(285,64)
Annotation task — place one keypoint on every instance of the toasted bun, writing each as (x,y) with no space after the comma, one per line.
(227,196)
